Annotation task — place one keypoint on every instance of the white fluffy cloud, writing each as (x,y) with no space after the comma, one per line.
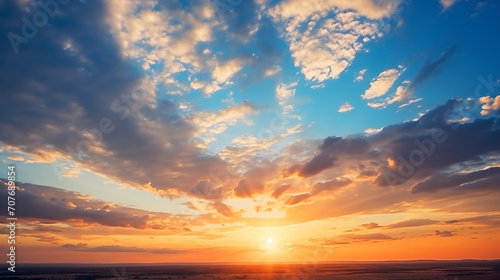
(345,108)
(145,33)
(490,104)
(361,75)
(382,84)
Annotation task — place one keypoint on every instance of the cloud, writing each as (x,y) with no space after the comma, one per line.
(207,190)
(447,3)
(332,242)
(366,237)
(75,246)
(299,9)
(248,188)
(345,108)
(430,68)
(413,223)
(444,233)
(409,102)
(120,249)
(284,92)
(295,199)
(223,208)
(246,147)
(280,190)
(324,45)
(416,149)
(329,153)
(372,130)
(370,225)
(490,220)
(223,71)
(94,86)
(58,205)
(381,85)
(442,181)
(490,104)
(330,185)
(360,75)
(16,158)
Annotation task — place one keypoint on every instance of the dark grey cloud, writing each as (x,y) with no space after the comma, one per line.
(74,246)
(329,154)
(464,180)
(418,149)
(68,83)
(48,204)
(431,67)
(444,233)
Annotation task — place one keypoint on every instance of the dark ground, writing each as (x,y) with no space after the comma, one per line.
(405,270)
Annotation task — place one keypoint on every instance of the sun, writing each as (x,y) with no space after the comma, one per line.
(269,241)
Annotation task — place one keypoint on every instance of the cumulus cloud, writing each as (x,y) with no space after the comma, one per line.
(490,105)
(381,85)
(345,108)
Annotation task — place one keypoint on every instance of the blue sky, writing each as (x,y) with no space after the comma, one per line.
(228,109)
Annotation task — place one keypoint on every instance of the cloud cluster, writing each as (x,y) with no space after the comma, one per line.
(323,44)
(425,151)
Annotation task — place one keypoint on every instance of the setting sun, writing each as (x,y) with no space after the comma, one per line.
(269,241)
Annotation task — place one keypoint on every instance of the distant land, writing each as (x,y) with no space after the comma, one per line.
(387,270)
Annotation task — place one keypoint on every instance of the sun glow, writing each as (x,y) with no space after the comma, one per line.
(269,241)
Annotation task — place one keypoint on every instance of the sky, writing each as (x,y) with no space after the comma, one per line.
(251,131)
